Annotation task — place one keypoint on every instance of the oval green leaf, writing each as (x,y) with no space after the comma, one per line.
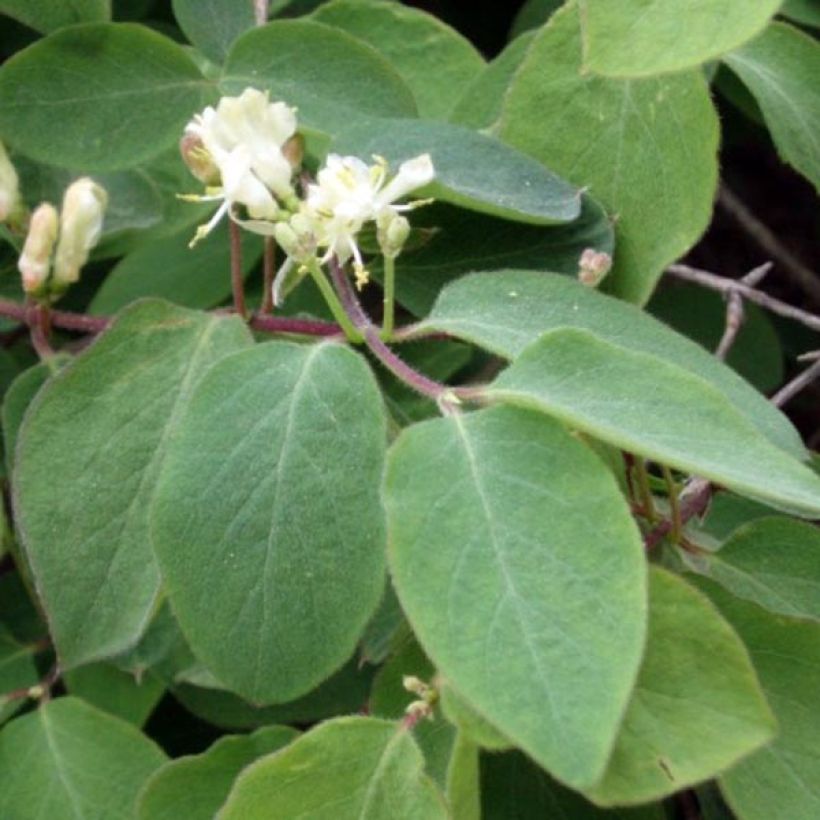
(68,759)
(507,311)
(697,707)
(99,96)
(535,614)
(195,786)
(213,25)
(473,170)
(651,407)
(269,524)
(93,440)
(331,77)
(635,38)
(407,37)
(346,769)
(780,68)
(646,148)
(46,15)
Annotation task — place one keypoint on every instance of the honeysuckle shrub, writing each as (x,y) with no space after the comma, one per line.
(348,474)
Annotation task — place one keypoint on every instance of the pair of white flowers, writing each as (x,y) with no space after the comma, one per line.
(248,151)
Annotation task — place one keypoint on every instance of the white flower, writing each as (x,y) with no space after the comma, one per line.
(35,260)
(243,139)
(81,220)
(348,193)
(9,187)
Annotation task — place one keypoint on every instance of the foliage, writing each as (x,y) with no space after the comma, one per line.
(430,536)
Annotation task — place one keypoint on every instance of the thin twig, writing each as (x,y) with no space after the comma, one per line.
(269,271)
(769,242)
(726,286)
(40,329)
(693,502)
(674,504)
(299,327)
(796,385)
(735,312)
(260,12)
(237,282)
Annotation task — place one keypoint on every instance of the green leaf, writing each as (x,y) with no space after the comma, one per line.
(115,691)
(648,406)
(88,459)
(697,707)
(470,723)
(99,96)
(383,629)
(782,780)
(535,615)
(17,671)
(806,12)
(463,793)
(507,311)
(68,759)
(213,25)
(473,170)
(46,15)
(646,148)
(407,37)
(634,38)
(773,562)
(344,692)
(514,788)
(331,77)
(194,787)
(780,68)
(533,14)
(700,314)
(465,241)
(275,437)
(346,769)
(198,277)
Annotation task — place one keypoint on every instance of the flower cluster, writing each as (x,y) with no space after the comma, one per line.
(248,154)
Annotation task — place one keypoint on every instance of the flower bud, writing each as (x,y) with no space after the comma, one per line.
(9,187)
(296,237)
(392,233)
(593,266)
(81,221)
(198,159)
(35,261)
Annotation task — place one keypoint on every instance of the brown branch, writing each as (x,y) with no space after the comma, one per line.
(769,242)
(796,385)
(693,502)
(237,281)
(727,286)
(269,271)
(260,12)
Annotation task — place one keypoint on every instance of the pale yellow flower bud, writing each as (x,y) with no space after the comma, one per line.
(593,266)
(9,187)
(81,221)
(35,261)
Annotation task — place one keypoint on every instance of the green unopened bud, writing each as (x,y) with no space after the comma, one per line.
(593,266)
(392,233)
(9,187)
(198,159)
(35,261)
(81,221)
(296,237)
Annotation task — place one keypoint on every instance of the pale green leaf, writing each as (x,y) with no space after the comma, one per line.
(774,562)
(507,311)
(645,148)
(88,459)
(535,615)
(194,787)
(46,15)
(198,277)
(331,77)
(780,68)
(783,779)
(464,241)
(346,769)
(408,37)
(806,12)
(696,708)
(17,671)
(635,38)
(473,170)
(99,96)
(514,788)
(275,437)
(68,759)
(463,791)
(533,14)
(116,692)
(651,407)
(213,25)
(471,724)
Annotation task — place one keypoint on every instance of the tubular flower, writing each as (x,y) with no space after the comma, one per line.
(241,149)
(348,193)
(9,188)
(35,260)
